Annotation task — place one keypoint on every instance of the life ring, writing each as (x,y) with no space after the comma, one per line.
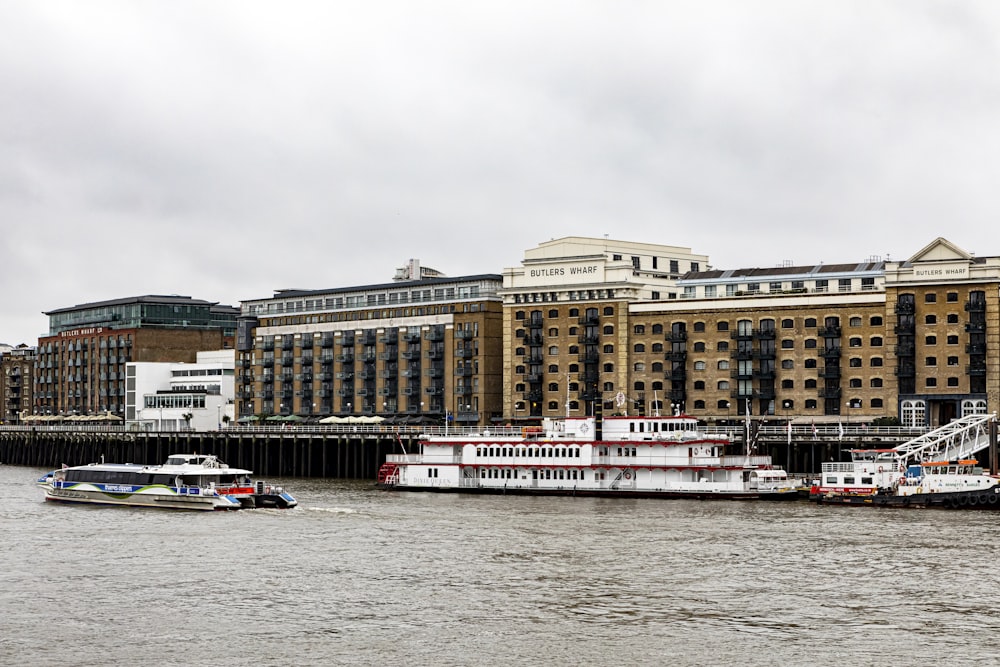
(583,428)
(627,475)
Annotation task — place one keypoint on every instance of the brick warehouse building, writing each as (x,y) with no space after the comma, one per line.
(424,346)
(16,391)
(80,364)
(917,339)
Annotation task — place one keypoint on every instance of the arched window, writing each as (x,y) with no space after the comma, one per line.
(913,413)
(875,321)
(788,323)
(876,361)
(609,368)
(855,322)
(608,349)
(656,347)
(810,343)
(609,310)
(639,367)
(699,385)
(855,341)
(519,370)
(973,407)
(810,404)
(657,367)
(722,346)
(809,363)
(639,347)
(810,323)
(608,330)
(553,313)
(519,315)
(699,365)
(553,368)
(553,405)
(876,383)
(639,329)
(723,365)
(639,386)
(657,328)
(876,402)
(723,385)
(721,326)
(553,386)
(876,341)
(554,350)
(699,347)
(609,386)
(810,384)
(553,332)
(699,405)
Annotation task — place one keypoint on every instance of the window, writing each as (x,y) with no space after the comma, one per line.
(656,347)
(609,368)
(876,402)
(554,350)
(788,323)
(953,361)
(952,318)
(657,367)
(952,297)
(519,315)
(609,310)
(639,367)
(930,340)
(952,382)
(810,384)
(855,341)
(774,286)
(553,331)
(930,361)
(553,313)
(876,362)
(810,404)
(723,365)
(810,343)
(721,326)
(930,297)
(639,347)
(876,341)
(608,330)
(699,326)
(930,382)
(699,365)
(553,368)
(854,322)
(809,363)
(876,383)
(787,364)
(855,362)
(952,340)
(930,319)
(855,383)
(722,346)
(875,321)
(640,329)
(657,328)
(553,386)
(699,347)
(788,384)
(810,322)
(723,385)
(699,405)
(609,349)
(699,385)
(787,344)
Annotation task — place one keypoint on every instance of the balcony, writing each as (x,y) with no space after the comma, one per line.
(388,339)
(435,354)
(831,373)
(464,334)
(829,392)
(763,334)
(465,353)
(345,358)
(905,350)
(434,336)
(975,327)
(387,391)
(742,355)
(591,339)
(344,375)
(589,320)
(677,336)
(976,306)
(830,353)
(905,308)
(434,391)
(465,371)
(908,328)
(830,332)
(975,348)
(532,378)
(412,337)
(462,390)
(327,341)
(906,371)
(410,355)
(975,369)
(589,357)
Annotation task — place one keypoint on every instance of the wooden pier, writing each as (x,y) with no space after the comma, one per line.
(298,453)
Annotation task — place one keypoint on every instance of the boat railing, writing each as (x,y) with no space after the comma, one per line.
(837,467)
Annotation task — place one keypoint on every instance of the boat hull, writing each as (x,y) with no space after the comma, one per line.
(985,499)
(161,500)
(599,493)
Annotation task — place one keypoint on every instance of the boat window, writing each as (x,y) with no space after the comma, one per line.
(866,480)
(848,480)
(831,480)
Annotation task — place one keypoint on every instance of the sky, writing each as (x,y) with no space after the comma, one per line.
(226,149)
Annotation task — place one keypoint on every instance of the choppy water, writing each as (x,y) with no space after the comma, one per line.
(361,577)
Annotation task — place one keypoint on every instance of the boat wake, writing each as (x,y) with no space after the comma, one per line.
(331,510)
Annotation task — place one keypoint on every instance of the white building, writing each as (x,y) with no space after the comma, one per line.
(179,396)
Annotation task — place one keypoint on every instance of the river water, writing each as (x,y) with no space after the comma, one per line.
(355,576)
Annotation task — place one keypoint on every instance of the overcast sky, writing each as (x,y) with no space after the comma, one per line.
(223,150)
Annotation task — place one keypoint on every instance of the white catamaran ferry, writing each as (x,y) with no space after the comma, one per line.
(185,481)
(613,456)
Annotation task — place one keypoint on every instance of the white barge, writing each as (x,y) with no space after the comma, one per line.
(664,457)
(185,481)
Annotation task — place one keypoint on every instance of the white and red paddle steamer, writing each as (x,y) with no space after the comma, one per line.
(614,456)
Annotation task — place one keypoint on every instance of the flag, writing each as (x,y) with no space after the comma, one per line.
(840,430)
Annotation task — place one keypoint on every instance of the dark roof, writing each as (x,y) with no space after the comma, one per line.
(424,282)
(761,272)
(172,299)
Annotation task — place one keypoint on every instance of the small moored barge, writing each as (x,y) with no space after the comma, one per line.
(881,478)
(185,481)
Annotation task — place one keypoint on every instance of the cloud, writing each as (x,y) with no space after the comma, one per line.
(228,149)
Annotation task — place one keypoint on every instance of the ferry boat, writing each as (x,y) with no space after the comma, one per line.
(185,481)
(882,478)
(645,456)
